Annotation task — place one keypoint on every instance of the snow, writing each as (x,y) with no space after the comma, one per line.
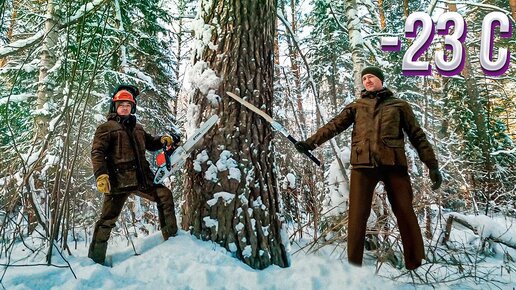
(487,227)
(336,201)
(184,262)
(199,76)
(239,226)
(29,159)
(202,33)
(202,77)
(99,117)
(227,197)
(192,115)
(259,204)
(211,173)
(141,76)
(290,181)
(225,162)
(45,110)
(247,252)
(200,158)
(15,46)
(213,98)
(209,222)
(53,122)
(84,10)
(15,98)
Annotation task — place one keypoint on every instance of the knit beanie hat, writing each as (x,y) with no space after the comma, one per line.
(376,71)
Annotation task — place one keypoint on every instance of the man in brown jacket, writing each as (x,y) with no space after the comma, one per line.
(120,168)
(380,122)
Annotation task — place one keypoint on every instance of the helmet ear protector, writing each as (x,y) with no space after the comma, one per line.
(124,93)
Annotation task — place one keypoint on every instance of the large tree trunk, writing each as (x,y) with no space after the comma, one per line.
(232,198)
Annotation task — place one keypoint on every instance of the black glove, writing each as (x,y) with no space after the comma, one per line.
(436,177)
(303,146)
(176,138)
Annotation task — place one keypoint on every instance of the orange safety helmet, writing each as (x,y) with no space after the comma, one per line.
(124,93)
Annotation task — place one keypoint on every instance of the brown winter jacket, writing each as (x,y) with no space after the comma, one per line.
(119,150)
(377,139)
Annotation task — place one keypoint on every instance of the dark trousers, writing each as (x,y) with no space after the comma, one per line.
(111,209)
(399,193)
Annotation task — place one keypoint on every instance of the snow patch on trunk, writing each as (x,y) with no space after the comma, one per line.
(226,197)
(200,158)
(209,222)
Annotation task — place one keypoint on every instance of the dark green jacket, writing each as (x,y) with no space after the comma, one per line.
(119,149)
(379,120)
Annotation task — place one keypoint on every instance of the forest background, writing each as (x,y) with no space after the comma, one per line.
(60,60)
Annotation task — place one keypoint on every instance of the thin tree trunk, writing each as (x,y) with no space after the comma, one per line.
(234,200)
(10,30)
(276,48)
(293,55)
(47,61)
(123,50)
(357,43)
(177,67)
(475,105)
(333,81)
(382,14)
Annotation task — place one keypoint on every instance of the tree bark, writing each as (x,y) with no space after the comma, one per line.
(123,50)
(10,30)
(232,198)
(180,42)
(382,14)
(293,55)
(47,61)
(357,43)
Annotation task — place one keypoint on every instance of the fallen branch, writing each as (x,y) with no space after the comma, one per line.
(504,238)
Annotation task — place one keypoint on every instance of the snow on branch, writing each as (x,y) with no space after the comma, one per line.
(485,227)
(508,13)
(12,48)
(512,151)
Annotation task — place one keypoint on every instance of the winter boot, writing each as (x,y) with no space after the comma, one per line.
(97,252)
(169,231)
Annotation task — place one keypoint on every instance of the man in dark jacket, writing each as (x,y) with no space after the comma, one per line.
(120,168)
(378,154)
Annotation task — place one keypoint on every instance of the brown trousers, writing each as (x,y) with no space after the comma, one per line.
(111,209)
(399,193)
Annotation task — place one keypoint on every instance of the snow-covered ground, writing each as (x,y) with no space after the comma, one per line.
(184,262)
